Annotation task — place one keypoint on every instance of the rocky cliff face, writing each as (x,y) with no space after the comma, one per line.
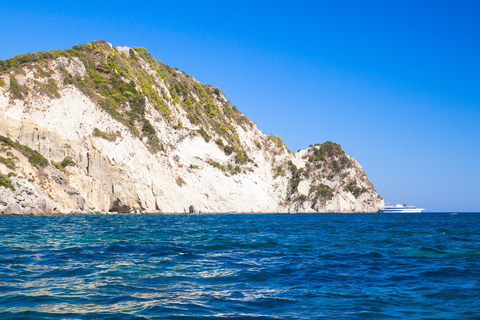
(97,128)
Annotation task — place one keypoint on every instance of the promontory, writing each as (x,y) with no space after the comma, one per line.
(98,128)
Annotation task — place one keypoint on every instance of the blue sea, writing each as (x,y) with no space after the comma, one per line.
(245,266)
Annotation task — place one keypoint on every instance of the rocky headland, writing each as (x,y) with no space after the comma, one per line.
(98,128)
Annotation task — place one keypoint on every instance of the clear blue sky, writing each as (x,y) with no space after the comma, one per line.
(396,83)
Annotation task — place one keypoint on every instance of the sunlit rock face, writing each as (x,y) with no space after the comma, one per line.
(123,132)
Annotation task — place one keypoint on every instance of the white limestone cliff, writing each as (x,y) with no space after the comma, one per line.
(122,174)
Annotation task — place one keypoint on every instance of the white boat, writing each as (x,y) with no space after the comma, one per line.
(401,209)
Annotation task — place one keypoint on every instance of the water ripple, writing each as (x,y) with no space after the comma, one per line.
(300,266)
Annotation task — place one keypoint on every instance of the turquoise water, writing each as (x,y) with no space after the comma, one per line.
(273,266)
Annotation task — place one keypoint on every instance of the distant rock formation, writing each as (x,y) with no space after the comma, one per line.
(102,129)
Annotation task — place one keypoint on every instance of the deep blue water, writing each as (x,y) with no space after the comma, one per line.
(272,266)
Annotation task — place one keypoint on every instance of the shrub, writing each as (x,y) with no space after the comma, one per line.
(8,162)
(214,164)
(67,161)
(228,150)
(34,157)
(321,192)
(204,134)
(50,88)
(179,125)
(296,177)
(17,90)
(6,182)
(148,129)
(37,160)
(336,167)
(241,157)
(192,118)
(188,103)
(354,189)
(277,140)
(330,149)
(104,135)
(219,142)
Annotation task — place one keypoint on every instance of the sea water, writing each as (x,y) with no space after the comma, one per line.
(269,266)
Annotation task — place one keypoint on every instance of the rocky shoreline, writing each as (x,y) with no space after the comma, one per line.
(25,200)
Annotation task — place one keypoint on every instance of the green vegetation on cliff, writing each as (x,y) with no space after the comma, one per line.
(104,135)
(18,92)
(22,59)
(325,162)
(66,162)
(354,189)
(6,182)
(33,156)
(122,84)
